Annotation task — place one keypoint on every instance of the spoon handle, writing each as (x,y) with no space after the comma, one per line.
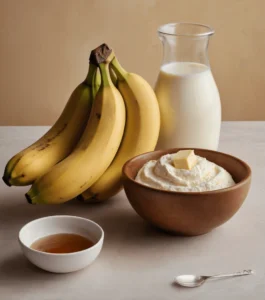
(242,273)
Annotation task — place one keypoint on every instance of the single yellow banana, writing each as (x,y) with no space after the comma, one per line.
(26,166)
(141,132)
(94,152)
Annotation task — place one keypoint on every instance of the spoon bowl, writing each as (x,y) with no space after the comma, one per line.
(196,280)
(190,280)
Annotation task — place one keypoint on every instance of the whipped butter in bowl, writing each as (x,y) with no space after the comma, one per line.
(184,172)
(186,193)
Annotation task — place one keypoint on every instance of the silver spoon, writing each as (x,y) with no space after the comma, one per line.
(194,280)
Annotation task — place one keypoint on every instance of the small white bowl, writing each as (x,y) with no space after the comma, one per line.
(61,263)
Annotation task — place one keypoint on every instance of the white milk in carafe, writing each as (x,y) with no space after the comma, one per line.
(190,106)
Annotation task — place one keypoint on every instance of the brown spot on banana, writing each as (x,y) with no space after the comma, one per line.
(44,144)
(46,141)
(44,147)
(58,133)
(83,185)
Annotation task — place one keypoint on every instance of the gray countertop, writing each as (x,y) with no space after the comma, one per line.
(137,261)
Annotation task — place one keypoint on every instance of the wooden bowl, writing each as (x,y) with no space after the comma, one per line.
(187,213)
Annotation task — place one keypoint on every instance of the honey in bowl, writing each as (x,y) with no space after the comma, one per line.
(62,243)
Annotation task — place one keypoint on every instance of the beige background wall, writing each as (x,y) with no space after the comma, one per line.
(45,45)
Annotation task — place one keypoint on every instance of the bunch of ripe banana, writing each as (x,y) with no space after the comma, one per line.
(102,126)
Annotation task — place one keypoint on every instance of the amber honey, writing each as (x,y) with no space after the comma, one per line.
(62,243)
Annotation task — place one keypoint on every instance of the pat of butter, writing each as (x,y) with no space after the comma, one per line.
(184,159)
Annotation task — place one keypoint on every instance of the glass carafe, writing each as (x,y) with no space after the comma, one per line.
(187,93)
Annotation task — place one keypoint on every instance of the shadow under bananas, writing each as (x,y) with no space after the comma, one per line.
(125,231)
(117,218)
(16,212)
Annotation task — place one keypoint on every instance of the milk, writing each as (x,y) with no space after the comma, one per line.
(190,106)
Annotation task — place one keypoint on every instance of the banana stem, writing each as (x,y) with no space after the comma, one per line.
(118,69)
(113,76)
(91,73)
(105,74)
(96,83)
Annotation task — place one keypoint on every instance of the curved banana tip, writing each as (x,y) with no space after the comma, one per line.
(6,181)
(28,198)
